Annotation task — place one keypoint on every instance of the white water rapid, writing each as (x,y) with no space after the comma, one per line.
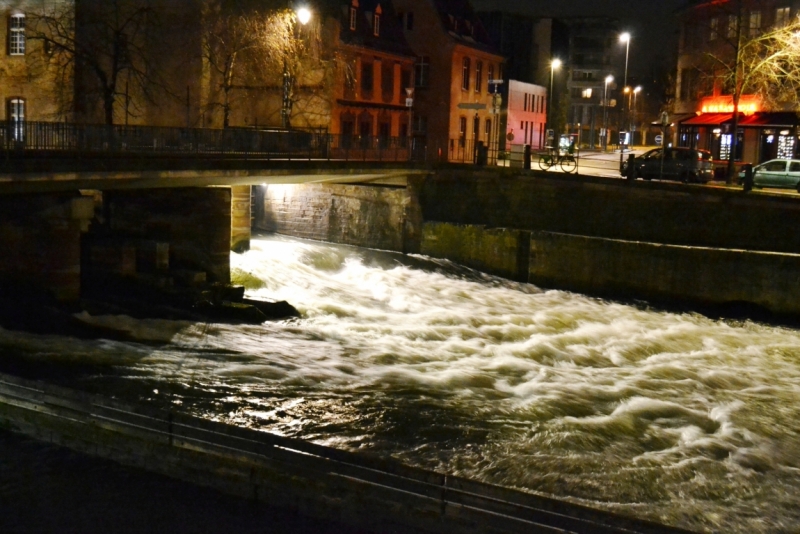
(672,417)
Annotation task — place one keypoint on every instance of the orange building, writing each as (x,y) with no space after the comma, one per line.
(453,110)
(376,67)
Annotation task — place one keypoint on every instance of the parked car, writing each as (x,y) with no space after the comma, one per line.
(784,173)
(679,163)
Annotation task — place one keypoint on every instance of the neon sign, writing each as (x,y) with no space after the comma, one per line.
(748,104)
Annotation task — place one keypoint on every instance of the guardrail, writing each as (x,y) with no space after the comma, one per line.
(266,143)
(315,480)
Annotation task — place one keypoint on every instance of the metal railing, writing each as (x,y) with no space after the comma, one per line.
(258,142)
(282,471)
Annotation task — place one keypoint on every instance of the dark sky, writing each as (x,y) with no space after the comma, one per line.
(652,23)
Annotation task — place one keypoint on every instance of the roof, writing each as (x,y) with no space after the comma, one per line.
(461,22)
(390,37)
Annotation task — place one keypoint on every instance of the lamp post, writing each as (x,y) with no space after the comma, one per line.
(608,80)
(625,37)
(554,64)
(303,15)
(636,91)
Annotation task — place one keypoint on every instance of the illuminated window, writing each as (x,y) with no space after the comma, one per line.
(15,112)
(714,28)
(755,22)
(733,24)
(16,35)
(376,21)
(782,15)
(353,14)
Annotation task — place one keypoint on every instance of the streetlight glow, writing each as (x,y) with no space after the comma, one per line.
(609,79)
(303,15)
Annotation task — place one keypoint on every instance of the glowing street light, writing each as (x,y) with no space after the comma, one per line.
(303,15)
(554,64)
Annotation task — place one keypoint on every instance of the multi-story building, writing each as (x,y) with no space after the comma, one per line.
(704,104)
(28,84)
(593,57)
(453,109)
(370,97)
(526,43)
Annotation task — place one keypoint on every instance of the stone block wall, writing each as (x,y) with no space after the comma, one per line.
(365,216)
(191,224)
(636,211)
(499,251)
(40,236)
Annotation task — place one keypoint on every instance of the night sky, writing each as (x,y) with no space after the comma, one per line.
(652,23)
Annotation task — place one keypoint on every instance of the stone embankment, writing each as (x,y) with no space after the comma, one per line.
(706,248)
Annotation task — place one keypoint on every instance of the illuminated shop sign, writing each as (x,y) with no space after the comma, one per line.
(748,104)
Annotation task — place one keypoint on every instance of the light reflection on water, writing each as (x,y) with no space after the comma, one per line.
(673,417)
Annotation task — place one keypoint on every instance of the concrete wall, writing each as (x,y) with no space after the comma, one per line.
(195,221)
(499,251)
(40,236)
(365,216)
(638,211)
(241,218)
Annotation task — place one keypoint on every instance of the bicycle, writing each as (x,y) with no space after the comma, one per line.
(551,159)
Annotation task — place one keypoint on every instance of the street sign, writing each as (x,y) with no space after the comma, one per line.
(496,82)
(471,105)
(659,139)
(409,102)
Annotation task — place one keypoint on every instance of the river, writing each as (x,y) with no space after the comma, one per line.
(673,417)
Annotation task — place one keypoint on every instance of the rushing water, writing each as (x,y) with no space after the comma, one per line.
(673,417)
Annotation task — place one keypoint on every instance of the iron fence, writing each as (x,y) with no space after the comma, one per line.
(256,142)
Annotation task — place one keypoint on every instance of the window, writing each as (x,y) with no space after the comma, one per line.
(376,21)
(422,71)
(465,68)
(478,76)
(462,131)
(733,24)
(755,22)
(714,29)
(490,73)
(353,14)
(16,35)
(488,129)
(366,78)
(15,111)
(782,16)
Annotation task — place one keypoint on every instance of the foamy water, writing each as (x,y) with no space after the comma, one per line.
(673,417)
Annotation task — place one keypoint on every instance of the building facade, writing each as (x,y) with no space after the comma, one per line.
(594,55)
(704,110)
(29,77)
(526,115)
(454,108)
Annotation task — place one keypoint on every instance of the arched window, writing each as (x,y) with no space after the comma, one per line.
(376,21)
(16,34)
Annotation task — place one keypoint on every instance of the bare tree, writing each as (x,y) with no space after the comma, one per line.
(747,58)
(226,42)
(103,43)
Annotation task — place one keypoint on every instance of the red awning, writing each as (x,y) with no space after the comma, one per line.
(708,119)
(785,119)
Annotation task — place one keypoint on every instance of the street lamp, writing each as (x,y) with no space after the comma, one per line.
(303,15)
(554,64)
(608,80)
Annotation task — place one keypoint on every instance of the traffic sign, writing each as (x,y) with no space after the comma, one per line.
(496,82)
(659,139)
